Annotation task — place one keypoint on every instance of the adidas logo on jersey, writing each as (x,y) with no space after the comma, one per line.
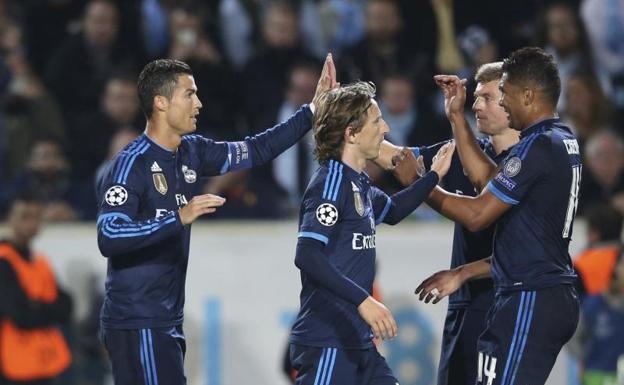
(156,167)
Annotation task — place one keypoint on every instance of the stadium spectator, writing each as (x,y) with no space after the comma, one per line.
(599,339)
(562,34)
(603,174)
(47,178)
(587,109)
(77,72)
(119,109)
(28,110)
(32,306)
(595,264)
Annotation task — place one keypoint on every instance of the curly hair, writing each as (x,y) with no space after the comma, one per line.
(336,110)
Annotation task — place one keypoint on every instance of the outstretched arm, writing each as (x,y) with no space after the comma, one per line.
(479,167)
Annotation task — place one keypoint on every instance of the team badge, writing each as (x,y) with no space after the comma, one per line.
(116,196)
(357,199)
(512,167)
(160,183)
(327,214)
(190,176)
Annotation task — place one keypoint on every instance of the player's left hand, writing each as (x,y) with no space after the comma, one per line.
(439,285)
(327,81)
(407,168)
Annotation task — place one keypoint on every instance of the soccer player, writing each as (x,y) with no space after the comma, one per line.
(468,306)
(149,198)
(331,341)
(533,198)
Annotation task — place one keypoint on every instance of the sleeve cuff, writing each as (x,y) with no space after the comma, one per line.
(416,151)
(317,236)
(384,212)
(501,195)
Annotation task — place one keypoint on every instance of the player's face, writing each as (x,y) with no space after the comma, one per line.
(491,117)
(372,134)
(184,106)
(510,100)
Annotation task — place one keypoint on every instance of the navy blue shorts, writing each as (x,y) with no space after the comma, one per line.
(458,358)
(333,366)
(146,356)
(525,330)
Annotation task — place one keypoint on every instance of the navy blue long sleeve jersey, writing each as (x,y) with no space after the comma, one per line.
(540,177)
(139,228)
(468,246)
(336,251)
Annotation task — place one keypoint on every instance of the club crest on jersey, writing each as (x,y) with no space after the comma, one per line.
(116,196)
(512,167)
(160,183)
(327,214)
(357,199)
(190,176)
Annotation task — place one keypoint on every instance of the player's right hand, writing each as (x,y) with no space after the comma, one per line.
(454,90)
(442,160)
(200,205)
(407,168)
(439,285)
(327,80)
(379,318)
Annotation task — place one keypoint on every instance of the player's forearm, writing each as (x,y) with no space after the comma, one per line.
(407,200)
(386,152)
(476,270)
(465,210)
(273,141)
(478,166)
(311,260)
(118,235)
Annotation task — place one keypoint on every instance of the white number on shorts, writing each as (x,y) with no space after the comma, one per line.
(486,367)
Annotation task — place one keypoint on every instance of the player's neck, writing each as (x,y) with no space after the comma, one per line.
(353,159)
(503,141)
(163,135)
(538,116)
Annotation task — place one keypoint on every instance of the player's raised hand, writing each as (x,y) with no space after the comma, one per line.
(407,168)
(200,205)
(454,90)
(327,80)
(442,160)
(439,285)
(379,318)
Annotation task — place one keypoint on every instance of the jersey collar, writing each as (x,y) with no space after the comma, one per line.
(157,148)
(537,126)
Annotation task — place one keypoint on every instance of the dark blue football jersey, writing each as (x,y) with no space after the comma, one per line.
(540,178)
(468,246)
(139,228)
(341,209)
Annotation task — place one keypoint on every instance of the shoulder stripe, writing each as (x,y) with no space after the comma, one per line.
(124,157)
(141,150)
(333,181)
(330,171)
(525,150)
(339,182)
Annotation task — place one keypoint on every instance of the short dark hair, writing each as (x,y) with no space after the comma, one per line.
(533,65)
(159,77)
(336,110)
(606,221)
(489,72)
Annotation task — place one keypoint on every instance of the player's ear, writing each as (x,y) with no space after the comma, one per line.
(161,103)
(528,96)
(349,134)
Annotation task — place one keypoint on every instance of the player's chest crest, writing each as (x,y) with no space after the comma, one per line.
(357,199)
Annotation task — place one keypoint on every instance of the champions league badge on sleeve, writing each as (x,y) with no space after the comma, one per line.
(327,214)
(512,167)
(116,196)
(160,183)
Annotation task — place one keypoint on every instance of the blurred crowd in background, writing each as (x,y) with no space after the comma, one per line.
(68,69)
(68,98)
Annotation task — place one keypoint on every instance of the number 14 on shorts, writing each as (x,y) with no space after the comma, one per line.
(487,368)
